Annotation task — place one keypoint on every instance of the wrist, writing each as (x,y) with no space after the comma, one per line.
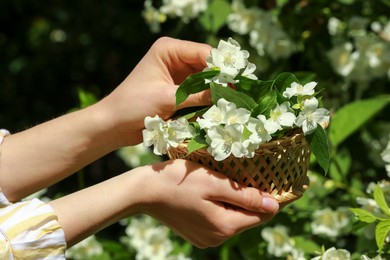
(102,127)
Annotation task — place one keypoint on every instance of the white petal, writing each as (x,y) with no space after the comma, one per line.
(309,87)
(308,127)
(310,104)
(287,119)
(272,126)
(152,123)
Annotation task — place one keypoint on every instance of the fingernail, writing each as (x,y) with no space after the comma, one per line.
(270,204)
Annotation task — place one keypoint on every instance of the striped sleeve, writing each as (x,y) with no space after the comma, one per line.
(30,230)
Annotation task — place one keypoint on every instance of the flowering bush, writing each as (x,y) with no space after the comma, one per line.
(246,112)
(345,46)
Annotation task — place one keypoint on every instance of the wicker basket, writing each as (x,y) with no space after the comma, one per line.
(278,167)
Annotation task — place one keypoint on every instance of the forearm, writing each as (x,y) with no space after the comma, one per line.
(49,152)
(87,211)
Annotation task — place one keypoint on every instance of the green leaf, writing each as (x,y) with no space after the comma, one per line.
(86,98)
(340,165)
(284,80)
(364,215)
(379,197)
(192,114)
(320,147)
(306,245)
(215,15)
(246,84)
(240,99)
(197,142)
(353,116)
(193,84)
(381,231)
(268,101)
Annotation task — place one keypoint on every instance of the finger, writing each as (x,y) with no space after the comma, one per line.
(245,197)
(181,58)
(242,219)
(198,99)
(181,52)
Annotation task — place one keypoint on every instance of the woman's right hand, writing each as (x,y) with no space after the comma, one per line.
(202,206)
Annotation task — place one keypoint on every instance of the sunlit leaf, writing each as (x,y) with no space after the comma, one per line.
(240,99)
(196,143)
(353,116)
(193,84)
(380,200)
(381,231)
(364,215)
(215,15)
(319,146)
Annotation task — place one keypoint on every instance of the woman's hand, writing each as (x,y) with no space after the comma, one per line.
(200,205)
(150,88)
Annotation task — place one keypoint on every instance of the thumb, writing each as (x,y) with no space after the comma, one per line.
(202,98)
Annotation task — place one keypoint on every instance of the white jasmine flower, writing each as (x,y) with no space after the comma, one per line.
(280,46)
(153,16)
(330,223)
(185,9)
(280,116)
(279,242)
(334,26)
(224,141)
(378,58)
(229,58)
(257,127)
(268,37)
(236,115)
(333,253)
(158,246)
(248,72)
(177,131)
(342,59)
(154,134)
(242,20)
(212,117)
(311,115)
(224,112)
(297,89)
(86,249)
(164,135)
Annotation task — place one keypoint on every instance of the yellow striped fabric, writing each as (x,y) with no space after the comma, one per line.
(30,230)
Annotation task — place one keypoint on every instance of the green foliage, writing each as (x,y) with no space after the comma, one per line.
(193,84)
(353,116)
(65,55)
(383,226)
(215,15)
(320,147)
(240,99)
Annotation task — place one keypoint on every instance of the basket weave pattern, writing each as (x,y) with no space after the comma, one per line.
(279,167)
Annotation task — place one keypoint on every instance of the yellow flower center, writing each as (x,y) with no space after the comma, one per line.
(228,59)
